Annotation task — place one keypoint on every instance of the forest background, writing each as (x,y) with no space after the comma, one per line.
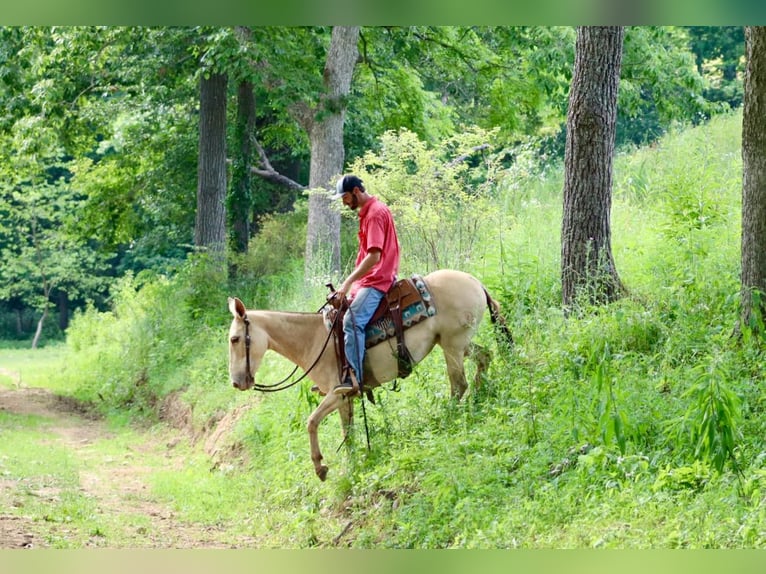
(461,130)
(100,131)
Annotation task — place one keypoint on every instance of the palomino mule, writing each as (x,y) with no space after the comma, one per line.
(459,299)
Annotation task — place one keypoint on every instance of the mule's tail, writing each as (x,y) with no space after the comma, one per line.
(497,318)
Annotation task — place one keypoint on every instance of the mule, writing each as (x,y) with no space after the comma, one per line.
(459,298)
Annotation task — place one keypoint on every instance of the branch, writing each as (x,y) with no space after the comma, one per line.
(276,177)
(464,157)
(438,172)
(267,171)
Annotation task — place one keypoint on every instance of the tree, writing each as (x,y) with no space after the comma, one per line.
(324,125)
(753,249)
(38,256)
(317,102)
(240,198)
(210,226)
(717,52)
(587,265)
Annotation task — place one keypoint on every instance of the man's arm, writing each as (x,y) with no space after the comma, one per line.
(364,267)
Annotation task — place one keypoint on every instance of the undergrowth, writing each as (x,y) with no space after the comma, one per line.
(636,424)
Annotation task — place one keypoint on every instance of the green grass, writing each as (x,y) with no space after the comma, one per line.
(34,367)
(635,425)
(45,479)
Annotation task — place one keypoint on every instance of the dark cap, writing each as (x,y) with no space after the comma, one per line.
(346,184)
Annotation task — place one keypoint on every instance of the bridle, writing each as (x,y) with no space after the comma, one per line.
(283,384)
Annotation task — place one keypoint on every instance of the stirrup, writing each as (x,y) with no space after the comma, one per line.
(349,386)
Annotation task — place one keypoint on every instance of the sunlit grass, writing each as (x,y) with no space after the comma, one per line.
(581,436)
(32,367)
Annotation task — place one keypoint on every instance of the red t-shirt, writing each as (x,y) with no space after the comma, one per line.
(376,229)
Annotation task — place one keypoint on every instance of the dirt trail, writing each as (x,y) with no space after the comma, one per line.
(117,485)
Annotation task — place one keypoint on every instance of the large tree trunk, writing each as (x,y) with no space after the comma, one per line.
(753,289)
(239,205)
(587,266)
(210,225)
(325,129)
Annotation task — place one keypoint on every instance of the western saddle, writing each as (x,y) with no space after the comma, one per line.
(399,297)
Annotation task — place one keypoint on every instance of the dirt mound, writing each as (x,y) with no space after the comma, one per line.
(174,411)
(217,434)
(219,444)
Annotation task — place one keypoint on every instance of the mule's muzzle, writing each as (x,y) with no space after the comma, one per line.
(245,384)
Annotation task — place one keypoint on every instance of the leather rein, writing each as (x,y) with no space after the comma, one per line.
(283,384)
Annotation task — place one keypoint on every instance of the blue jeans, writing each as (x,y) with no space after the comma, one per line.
(361,310)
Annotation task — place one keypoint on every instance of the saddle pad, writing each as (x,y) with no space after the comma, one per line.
(417,305)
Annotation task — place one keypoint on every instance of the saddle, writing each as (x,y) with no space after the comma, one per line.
(407,302)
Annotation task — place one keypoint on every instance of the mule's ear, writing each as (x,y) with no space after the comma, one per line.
(236,307)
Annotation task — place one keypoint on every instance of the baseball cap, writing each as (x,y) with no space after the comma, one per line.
(345,184)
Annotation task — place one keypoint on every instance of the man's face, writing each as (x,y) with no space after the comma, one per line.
(350,200)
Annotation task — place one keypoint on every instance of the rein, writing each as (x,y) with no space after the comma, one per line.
(283,384)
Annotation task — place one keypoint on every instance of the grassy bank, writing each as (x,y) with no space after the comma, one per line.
(637,425)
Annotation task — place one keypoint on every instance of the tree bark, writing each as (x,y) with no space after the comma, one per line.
(210,224)
(587,265)
(325,129)
(39,330)
(753,247)
(63,310)
(240,198)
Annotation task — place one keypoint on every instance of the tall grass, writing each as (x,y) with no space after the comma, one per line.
(636,424)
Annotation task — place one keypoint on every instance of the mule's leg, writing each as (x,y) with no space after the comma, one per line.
(328,405)
(454,357)
(481,356)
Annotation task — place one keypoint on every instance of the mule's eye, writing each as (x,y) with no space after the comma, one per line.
(234,340)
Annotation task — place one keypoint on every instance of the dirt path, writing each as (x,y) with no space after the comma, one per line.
(116,484)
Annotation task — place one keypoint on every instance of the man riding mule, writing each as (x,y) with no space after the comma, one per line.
(377,263)
(302,338)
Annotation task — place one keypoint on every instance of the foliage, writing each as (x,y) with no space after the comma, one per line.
(39,260)
(659,85)
(111,111)
(140,350)
(441,196)
(636,424)
(273,264)
(719,54)
(714,415)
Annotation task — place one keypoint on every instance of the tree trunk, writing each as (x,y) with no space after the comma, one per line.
(239,204)
(325,129)
(210,225)
(39,329)
(19,323)
(63,310)
(753,248)
(587,266)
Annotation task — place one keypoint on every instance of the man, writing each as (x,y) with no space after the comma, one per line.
(377,263)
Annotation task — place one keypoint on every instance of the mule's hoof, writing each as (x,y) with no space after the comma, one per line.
(322,472)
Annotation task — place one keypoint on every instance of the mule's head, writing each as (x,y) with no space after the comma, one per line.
(242,328)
